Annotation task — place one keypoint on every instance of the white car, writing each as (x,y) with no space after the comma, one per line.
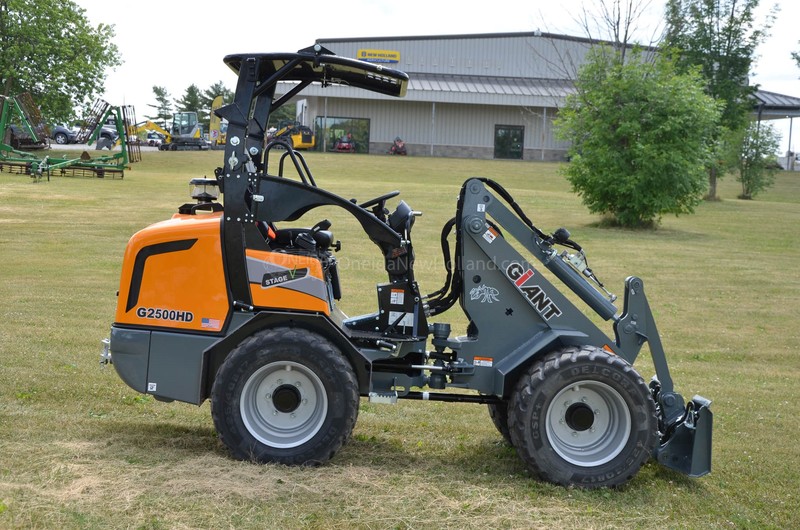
(155,138)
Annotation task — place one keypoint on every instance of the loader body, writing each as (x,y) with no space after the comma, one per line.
(227,303)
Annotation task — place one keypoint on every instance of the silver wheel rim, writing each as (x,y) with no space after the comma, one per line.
(283,404)
(588,423)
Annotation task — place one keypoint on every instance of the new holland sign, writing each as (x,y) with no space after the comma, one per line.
(378,56)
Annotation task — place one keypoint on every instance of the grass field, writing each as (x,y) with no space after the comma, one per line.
(79,449)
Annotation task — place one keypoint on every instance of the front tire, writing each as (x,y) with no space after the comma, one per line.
(582,416)
(285,395)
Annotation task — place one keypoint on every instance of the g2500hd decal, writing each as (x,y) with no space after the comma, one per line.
(157,313)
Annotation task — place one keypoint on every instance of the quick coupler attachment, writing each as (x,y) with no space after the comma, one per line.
(687,444)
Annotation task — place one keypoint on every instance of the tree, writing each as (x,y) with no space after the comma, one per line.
(755,160)
(615,23)
(163,106)
(191,101)
(720,37)
(50,50)
(796,57)
(640,136)
(284,113)
(207,98)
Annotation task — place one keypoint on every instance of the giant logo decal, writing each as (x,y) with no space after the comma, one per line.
(535,295)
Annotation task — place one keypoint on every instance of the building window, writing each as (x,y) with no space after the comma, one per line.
(508,141)
(339,132)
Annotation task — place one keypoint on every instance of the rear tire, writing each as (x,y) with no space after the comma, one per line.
(582,416)
(285,395)
(499,414)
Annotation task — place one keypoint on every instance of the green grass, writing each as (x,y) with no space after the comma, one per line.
(79,449)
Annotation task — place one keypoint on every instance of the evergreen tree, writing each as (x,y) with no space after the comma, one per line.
(191,101)
(163,106)
(207,98)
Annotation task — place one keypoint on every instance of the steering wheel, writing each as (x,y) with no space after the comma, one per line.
(378,200)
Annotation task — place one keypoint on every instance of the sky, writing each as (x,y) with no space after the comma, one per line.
(178,43)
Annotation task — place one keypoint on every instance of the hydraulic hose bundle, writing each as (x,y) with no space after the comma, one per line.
(443,299)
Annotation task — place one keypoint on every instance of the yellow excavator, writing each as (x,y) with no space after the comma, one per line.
(185,133)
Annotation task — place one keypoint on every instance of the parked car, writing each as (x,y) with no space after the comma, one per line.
(155,138)
(62,134)
(109,133)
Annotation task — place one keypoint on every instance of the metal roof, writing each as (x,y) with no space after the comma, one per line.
(479,36)
(770,105)
(512,86)
(470,90)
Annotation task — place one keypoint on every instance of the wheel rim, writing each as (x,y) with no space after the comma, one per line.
(283,404)
(588,423)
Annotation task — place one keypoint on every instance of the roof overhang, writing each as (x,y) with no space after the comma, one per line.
(773,106)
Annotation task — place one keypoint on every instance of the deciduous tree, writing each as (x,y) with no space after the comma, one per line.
(50,50)
(640,136)
(754,158)
(720,37)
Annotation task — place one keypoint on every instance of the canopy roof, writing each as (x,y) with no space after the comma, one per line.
(772,106)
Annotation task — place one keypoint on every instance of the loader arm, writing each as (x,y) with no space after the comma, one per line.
(487,224)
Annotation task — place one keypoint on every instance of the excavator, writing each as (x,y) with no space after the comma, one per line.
(184,134)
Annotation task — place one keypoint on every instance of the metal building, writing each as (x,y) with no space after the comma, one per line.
(492,95)
(479,96)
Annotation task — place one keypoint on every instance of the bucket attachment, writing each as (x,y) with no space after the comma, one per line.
(688,448)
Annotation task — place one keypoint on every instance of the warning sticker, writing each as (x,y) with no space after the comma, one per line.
(397,297)
(490,235)
(483,361)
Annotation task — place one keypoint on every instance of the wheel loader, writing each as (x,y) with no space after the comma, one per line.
(230,301)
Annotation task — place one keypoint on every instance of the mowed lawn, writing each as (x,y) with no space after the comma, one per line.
(79,449)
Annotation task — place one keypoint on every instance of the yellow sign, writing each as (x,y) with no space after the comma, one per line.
(378,56)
